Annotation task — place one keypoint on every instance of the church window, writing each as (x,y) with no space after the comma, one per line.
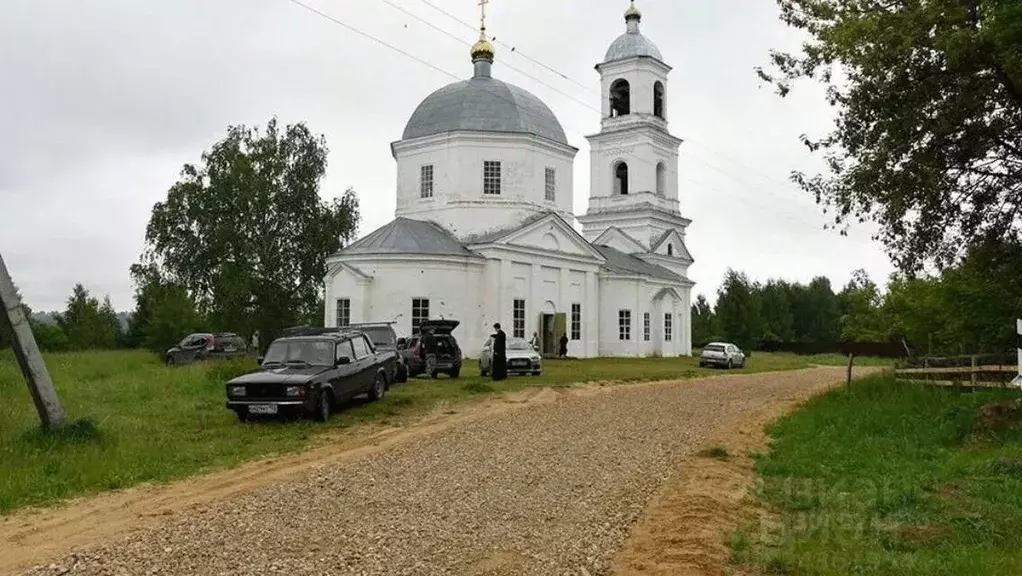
(624,324)
(658,99)
(645,327)
(620,98)
(343,313)
(668,327)
(551,185)
(426,181)
(576,321)
(621,178)
(420,313)
(661,178)
(491,177)
(670,249)
(518,319)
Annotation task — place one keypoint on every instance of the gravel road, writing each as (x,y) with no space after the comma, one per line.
(550,487)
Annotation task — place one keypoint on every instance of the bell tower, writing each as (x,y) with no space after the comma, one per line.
(634,157)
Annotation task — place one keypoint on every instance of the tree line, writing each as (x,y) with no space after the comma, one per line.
(969,308)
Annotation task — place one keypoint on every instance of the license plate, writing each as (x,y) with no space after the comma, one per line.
(262,409)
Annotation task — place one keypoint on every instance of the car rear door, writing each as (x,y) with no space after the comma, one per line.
(364,363)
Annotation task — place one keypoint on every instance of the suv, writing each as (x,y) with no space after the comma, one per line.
(311,375)
(448,358)
(206,346)
(383,337)
(722,354)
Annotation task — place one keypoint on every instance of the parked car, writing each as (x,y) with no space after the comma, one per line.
(205,346)
(311,375)
(722,354)
(448,360)
(381,334)
(522,358)
(383,337)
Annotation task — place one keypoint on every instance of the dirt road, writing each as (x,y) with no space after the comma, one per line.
(549,483)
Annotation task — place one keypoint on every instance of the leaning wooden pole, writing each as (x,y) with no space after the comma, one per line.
(27,352)
(848,377)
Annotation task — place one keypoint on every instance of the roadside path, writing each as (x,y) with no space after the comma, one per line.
(545,483)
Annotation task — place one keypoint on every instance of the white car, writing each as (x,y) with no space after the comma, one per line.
(722,354)
(522,358)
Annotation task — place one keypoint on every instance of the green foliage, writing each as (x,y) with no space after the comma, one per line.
(738,310)
(50,337)
(246,233)
(164,312)
(87,324)
(860,308)
(886,480)
(928,138)
(704,321)
(159,423)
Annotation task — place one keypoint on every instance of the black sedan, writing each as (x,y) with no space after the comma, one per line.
(311,375)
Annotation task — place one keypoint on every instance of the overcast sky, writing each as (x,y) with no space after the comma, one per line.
(105,100)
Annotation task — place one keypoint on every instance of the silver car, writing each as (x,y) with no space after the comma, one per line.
(522,358)
(722,354)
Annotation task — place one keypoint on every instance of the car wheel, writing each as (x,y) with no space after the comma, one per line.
(242,415)
(483,372)
(323,406)
(379,388)
(536,373)
(169,360)
(455,373)
(730,364)
(402,374)
(742,365)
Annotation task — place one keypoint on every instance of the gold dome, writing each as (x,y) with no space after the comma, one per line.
(633,12)
(483,49)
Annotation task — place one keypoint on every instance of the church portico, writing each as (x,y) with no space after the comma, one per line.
(484,229)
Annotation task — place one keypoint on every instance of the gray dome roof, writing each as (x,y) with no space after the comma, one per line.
(631,44)
(485,104)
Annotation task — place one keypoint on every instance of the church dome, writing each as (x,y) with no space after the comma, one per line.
(632,43)
(484,104)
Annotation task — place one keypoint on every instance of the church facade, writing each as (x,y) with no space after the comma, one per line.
(483,230)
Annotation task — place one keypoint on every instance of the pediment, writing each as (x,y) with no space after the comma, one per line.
(672,245)
(553,234)
(620,241)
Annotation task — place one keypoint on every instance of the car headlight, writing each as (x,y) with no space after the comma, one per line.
(238,391)
(294,391)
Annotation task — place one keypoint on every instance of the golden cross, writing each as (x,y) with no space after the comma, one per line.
(482,21)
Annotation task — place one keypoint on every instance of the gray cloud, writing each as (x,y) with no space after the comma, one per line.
(105,101)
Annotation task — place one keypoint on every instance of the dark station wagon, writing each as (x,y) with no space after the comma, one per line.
(311,375)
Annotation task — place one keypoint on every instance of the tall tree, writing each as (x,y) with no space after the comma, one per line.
(860,310)
(928,140)
(704,322)
(88,324)
(246,233)
(778,319)
(738,310)
(164,311)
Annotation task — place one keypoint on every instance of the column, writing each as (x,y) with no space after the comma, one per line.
(686,314)
(533,305)
(591,315)
(504,306)
(329,304)
(637,320)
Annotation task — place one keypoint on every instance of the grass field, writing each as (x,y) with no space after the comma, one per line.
(149,422)
(890,479)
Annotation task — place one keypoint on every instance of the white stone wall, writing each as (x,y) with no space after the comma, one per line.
(458,202)
(642,296)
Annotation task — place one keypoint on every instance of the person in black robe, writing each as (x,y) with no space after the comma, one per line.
(563,352)
(499,371)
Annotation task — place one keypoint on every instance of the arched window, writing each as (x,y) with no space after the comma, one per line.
(661,178)
(670,249)
(658,99)
(621,178)
(620,98)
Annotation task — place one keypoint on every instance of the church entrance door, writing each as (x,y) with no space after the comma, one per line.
(551,328)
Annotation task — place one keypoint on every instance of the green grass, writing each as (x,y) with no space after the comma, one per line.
(136,420)
(889,479)
(842,360)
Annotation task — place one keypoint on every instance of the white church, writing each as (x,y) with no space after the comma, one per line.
(484,227)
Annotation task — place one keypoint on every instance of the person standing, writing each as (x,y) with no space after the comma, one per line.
(499,353)
(429,348)
(535,341)
(563,351)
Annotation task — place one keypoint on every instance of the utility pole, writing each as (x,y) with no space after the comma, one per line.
(27,352)
(1018,346)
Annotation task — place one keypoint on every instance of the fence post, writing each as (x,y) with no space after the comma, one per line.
(1018,346)
(974,370)
(848,377)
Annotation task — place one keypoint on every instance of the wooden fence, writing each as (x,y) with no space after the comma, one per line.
(974,371)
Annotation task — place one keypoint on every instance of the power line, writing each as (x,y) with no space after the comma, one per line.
(439,69)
